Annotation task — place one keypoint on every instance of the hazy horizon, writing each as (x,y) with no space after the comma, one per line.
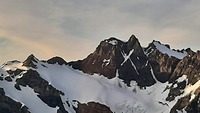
(73,29)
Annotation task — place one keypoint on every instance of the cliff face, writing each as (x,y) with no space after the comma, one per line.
(190,66)
(162,64)
(129,61)
(116,58)
(171,69)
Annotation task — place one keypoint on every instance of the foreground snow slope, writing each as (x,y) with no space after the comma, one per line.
(26,96)
(84,88)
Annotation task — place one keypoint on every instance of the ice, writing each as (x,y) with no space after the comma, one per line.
(170,52)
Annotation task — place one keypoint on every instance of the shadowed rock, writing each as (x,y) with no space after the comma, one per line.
(7,105)
(30,61)
(114,57)
(57,60)
(92,107)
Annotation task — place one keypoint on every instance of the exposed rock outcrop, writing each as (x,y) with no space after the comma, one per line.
(190,66)
(114,57)
(163,65)
(57,60)
(92,107)
(169,68)
(30,61)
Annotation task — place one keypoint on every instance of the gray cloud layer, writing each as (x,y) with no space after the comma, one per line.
(73,28)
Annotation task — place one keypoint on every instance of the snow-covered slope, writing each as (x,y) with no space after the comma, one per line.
(76,86)
(26,96)
(162,48)
(85,88)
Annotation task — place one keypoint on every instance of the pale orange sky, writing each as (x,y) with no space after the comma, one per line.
(73,28)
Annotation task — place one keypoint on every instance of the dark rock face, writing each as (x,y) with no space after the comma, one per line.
(136,67)
(190,107)
(58,60)
(15,72)
(190,52)
(7,105)
(113,57)
(194,106)
(76,64)
(162,64)
(176,91)
(93,107)
(182,102)
(8,78)
(1,78)
(168,68)
(102,61)
(47,93)
(190,66)
(29,62)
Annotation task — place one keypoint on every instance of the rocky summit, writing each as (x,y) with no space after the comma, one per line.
(118,77)
(114,58)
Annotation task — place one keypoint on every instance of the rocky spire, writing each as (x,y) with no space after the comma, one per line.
(30,61)
(114,57)
(133,43)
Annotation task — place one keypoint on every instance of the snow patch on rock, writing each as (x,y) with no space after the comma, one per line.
(170,52)
(113,42)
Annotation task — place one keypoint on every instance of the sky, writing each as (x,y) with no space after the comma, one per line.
(72,29)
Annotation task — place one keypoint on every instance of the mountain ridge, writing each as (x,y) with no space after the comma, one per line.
(167,78)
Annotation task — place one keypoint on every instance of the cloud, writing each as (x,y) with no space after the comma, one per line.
(6,51)
(73,28)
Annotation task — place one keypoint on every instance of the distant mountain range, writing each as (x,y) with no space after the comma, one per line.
(118,77)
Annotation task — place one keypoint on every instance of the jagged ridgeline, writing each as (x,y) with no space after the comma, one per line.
(118,77)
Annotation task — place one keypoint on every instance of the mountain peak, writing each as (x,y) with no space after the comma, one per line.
(118,77)
(115,58)
(165,49)
(133,43)
(30,61)
(132,39)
